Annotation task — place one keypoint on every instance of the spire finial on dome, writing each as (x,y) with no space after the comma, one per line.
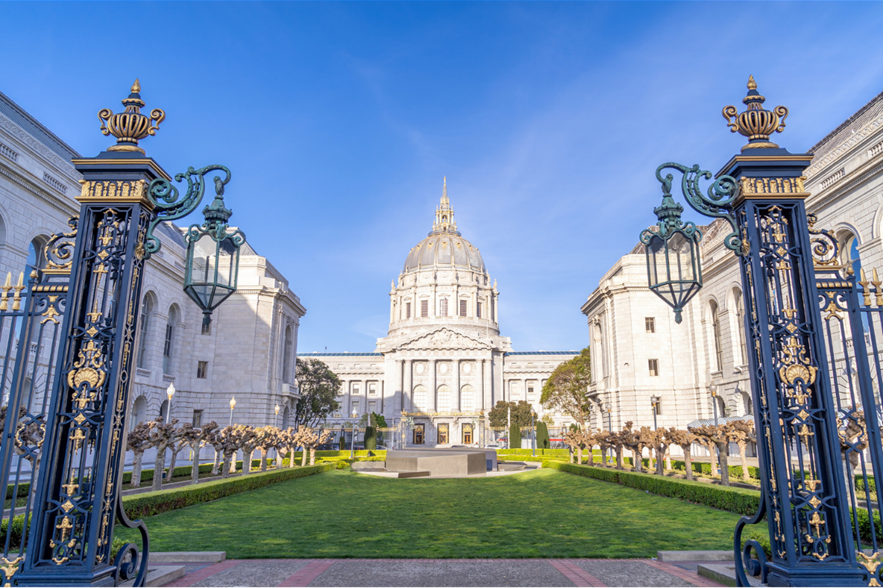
(444,214)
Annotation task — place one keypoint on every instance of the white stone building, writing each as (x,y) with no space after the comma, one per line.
(251,347)
(638,351)
(444,362)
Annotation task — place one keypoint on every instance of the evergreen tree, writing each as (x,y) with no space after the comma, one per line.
(514,436)
(542,436)
(370,438)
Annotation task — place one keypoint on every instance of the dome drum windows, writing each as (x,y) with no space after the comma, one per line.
(443,307)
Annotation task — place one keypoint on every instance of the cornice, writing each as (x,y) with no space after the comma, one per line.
(33,187)
(853,141)
(850,182)
(39,149)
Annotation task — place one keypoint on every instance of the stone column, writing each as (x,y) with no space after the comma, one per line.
(365,392)
(399,384)
(432,386)
(455,365)
(409,384)
(524,389)
(483,375)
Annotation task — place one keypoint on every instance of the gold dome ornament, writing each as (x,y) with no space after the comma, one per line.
(130,126)
(756,123)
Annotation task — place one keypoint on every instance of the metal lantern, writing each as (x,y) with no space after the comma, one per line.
(213,255)
(672,249)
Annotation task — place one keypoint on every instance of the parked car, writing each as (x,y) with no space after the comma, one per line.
(381,448)
(494,446)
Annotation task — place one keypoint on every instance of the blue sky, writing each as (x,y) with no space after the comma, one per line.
(340,120)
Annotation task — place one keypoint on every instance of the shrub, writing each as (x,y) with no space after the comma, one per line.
(515,436)
(562,453)
(542,436)
(736,500)
(370,438)
(153,503)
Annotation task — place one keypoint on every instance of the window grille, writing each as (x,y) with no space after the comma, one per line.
(407,310)
(462,308)
(424,308)
(443,307)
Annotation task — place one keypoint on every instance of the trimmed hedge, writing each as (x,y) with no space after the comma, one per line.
(735,500)
(153,503)
(546,452)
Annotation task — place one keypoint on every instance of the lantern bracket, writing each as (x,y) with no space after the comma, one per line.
(169,204)
(717,202)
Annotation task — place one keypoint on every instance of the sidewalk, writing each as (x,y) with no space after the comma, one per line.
(441,572)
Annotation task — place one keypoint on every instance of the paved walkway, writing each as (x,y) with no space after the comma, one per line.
(441,572)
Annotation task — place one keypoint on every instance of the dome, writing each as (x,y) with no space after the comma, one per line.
(444,249)
(444,246)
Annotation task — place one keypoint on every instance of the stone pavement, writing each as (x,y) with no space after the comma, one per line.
(441,572)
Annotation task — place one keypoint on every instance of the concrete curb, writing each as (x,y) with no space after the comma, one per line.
(678,556)
(159,575)
(160,557)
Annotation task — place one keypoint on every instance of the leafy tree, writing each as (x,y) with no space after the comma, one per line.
(370,438)
(565,390)
(498,415)
(380,423)
(514,436)
(319,388)
(542,436)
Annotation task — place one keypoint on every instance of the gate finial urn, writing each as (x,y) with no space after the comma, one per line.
(756,122)
(130,126)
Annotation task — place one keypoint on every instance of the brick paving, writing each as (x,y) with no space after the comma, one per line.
(443,572)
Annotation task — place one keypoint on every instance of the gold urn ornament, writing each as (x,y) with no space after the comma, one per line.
(756,122)
(130,126)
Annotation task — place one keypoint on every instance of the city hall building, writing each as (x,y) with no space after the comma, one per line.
(443,363)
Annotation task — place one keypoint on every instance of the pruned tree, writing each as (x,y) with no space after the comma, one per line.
(324,437)
(565,390)
(605,442)
(646,438)
(248,444)
(162,435)
(684,440)
(29,442)
(617,441)
(742,433)
(574,439)
(714,437)
(138,441)
(266,439)
(631,439)
(659,443)
(589,441)
(229,440)
(218,442)
(853,435)
(319,388)
(197,442)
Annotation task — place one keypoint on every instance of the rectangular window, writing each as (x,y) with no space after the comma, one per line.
(462,308)
(650,324)
(443,433)
(443,307)
(372,406)
(206,329)
(424,308)
(659,407)
(372,388)
(407,310)
(530,390)
(167,351)
(467,434)
(654,367)
(478,310)
(355,407)
(197,418)
(419,432)
(201,370)
(356,388)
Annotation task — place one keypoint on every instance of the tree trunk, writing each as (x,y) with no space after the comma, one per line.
(724,463)
(225,471)
(313,455)
(136,469)
(618,457)
(246,461)
(570,452)
(303,459)
(603,457)
(638,460)
(660,462)
(579,455)
(668,467)
(172,462)
(743,449)
(291,457)
(713,460)
(194,464)
(216,463)
(233,464)
(263,459)
(158,468)
(688,461)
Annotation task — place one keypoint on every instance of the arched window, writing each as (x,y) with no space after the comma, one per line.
(286,414)
(169,343)
(850,255)
(716,336)
(36,259)
(467,399)
(164,410)
(146,312)
(419,398)
(139,412)
(286,357)
(747,406)
(444,399)
(740,324)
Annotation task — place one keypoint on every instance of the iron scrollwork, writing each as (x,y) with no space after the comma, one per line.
(717,203)
(168,203)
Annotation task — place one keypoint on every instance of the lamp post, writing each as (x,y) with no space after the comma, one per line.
(232,406)
(353,438)
(276,415)
(654,401)
(533,432)
(609,422)
(170,392)
(713,389)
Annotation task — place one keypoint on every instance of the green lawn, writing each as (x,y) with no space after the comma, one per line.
(543,513)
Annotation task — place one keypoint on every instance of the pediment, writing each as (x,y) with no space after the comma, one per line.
(443,338)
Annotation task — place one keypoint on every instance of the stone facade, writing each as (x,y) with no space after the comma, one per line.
(444,363)
(845,180)
(250,349)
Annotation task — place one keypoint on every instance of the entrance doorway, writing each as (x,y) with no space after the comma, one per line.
(467,434)
(419,432)
(443,433)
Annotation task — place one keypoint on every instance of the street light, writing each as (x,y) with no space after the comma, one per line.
(609,424)
(170,392)
(533,432)
(353,438)
(713,389)
(654,401)
(232,406)
(276,416)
